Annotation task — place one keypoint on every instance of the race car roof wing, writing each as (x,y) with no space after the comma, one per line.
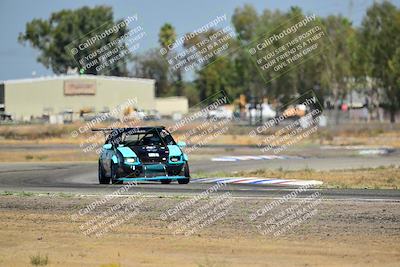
(103,129)
(143,128)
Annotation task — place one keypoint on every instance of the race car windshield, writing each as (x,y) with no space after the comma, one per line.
(150,138)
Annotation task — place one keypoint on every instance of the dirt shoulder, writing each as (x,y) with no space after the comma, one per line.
(339,234)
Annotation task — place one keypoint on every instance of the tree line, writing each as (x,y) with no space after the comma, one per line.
(366,57)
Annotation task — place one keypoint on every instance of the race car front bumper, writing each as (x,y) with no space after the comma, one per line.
(154,178)
(149,170)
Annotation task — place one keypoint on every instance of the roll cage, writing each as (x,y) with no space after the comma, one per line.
(146,136)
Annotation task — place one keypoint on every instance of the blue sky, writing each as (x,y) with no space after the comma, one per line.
(18,61)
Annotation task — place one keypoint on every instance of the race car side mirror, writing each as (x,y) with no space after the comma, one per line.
(181,144)
(107,146)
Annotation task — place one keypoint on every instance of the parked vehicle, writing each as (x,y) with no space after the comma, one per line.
(220,113)
(257,111)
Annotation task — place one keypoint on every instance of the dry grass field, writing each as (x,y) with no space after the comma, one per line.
(365,178)
(39,229)
(354,134)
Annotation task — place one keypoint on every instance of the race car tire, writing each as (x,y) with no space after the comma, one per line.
(166,181)
(184,181)
(186,173)
(102,178)
(114,175)
(186,170)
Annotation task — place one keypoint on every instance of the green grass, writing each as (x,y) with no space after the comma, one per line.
(14,193)
(30,194)
(39,260)
(7,193)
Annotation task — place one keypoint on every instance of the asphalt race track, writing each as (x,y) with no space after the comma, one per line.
(81,178)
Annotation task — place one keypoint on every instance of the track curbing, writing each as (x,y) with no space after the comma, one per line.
(258,181)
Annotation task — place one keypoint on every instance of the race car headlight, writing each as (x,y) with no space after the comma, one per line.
(130,160)
(175,158)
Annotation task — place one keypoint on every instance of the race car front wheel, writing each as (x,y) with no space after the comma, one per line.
(186,172)
(102,178)
(114,175)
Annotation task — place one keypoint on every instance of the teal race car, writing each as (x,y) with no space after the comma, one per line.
(142,154)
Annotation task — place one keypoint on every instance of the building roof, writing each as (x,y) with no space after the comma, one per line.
(75,77)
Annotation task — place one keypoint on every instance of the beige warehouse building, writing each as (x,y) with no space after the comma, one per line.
(168,106)
(28,98)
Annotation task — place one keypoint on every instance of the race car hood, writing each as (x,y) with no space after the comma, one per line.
(151,154)
(127,152)
(174,150)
